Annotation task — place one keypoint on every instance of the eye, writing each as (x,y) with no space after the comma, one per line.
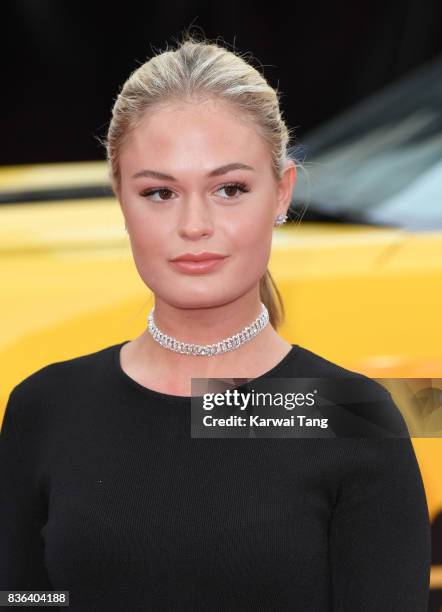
(236,187)
(151,192)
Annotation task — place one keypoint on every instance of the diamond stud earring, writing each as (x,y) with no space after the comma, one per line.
(280,219)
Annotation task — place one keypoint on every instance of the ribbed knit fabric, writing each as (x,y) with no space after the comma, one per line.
(105,493)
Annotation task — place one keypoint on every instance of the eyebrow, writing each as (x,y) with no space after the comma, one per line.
(216,172)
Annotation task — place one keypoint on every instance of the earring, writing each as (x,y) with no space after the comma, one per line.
(125,227)
(280,219)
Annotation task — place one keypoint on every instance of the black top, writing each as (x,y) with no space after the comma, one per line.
(104,493)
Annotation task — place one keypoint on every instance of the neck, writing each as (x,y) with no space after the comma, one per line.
(206,325)
(198,325)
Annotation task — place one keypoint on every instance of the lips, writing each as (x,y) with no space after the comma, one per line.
(199,257)
(198,267)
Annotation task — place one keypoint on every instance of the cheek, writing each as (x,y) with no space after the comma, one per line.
(252,244)
(149,250)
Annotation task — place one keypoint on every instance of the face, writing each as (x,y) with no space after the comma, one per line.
(193,209)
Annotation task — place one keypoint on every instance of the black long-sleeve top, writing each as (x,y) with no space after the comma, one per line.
(104,493)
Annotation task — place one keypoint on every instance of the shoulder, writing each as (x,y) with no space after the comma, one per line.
(364,397)
(312,364)
(59,379)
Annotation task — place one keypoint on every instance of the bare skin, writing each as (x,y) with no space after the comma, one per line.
(192,214)
(139,359)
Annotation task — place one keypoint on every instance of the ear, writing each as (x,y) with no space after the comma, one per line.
(285,188)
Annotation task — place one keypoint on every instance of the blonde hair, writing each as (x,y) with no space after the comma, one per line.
(193,69)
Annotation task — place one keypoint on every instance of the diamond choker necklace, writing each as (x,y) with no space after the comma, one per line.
(223,346)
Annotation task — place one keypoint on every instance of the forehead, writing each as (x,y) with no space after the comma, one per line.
(206,133)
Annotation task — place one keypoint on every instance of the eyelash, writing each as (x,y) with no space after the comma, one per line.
(241,187)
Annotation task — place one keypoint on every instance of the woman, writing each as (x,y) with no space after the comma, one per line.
(105,494)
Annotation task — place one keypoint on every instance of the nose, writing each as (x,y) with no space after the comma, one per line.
(195,219)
